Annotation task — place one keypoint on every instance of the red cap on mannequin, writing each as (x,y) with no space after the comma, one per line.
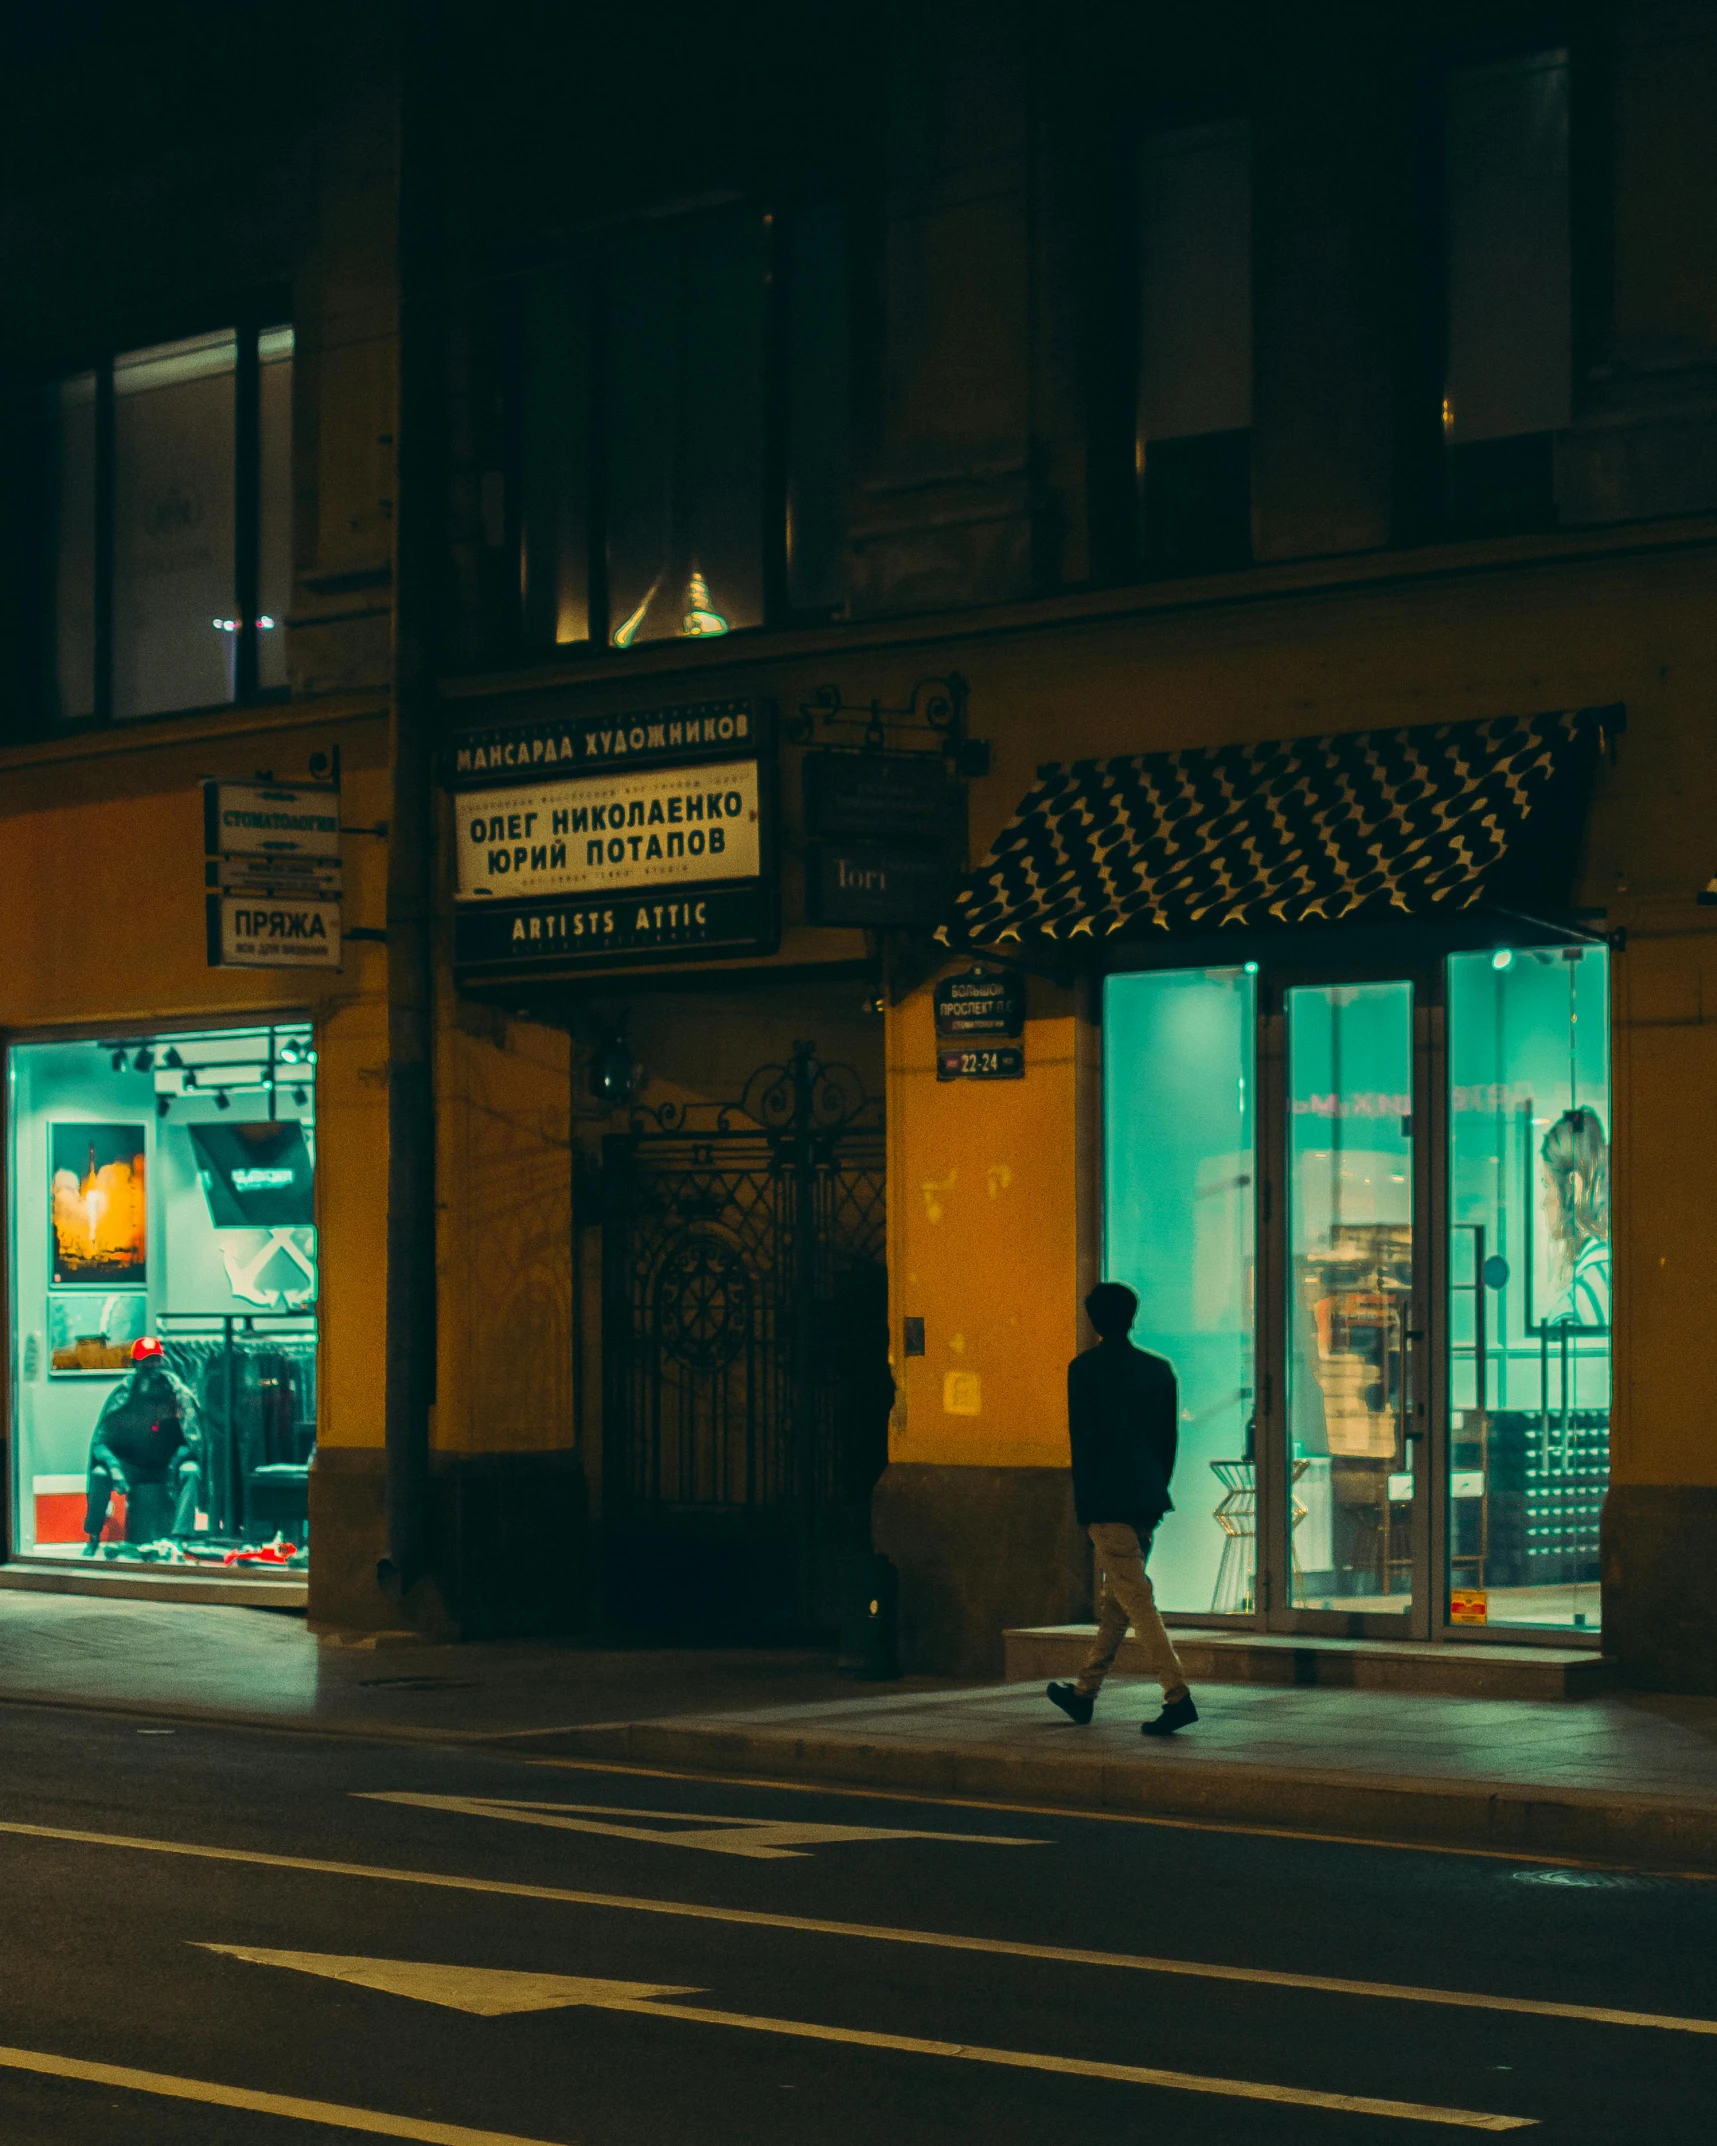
(142,1351)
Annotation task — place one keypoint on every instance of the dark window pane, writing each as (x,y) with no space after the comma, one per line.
(274,565)
(555,569)
(1198,502)
(1195,346)
(684,386)
(74,579)
(818,444)
(174,628)
(1506,164)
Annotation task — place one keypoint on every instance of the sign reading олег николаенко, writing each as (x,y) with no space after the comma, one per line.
(614,838)
(615,833)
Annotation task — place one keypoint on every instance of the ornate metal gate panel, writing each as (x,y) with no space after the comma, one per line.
(744,1340)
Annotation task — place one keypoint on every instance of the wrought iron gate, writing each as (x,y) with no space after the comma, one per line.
(744,1352)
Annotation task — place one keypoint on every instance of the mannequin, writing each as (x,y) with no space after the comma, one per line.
(1576,1160)
(147,1436)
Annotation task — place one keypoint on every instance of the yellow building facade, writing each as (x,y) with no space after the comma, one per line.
(665,1296)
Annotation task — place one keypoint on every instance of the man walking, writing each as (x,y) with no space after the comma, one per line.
(1123,1419)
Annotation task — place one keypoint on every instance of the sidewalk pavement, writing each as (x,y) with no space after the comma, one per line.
(1624,1778)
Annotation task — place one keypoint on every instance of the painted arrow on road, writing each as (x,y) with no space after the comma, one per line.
(492,1992)
(756,1837)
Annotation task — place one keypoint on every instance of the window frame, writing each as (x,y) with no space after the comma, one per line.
(1131,542)
(247,323)
(587,263)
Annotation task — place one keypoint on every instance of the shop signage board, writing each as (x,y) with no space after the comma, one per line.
(631,927)
(273,931)
(612,833)
(876,884)
(319,877)
(273,874)
(888,834)
(567,745)
(628,838)
(268,820)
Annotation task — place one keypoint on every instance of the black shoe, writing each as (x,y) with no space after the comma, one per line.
(1073,1702)
(1176,1714)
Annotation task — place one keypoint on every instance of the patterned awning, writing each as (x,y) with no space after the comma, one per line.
(1356,827)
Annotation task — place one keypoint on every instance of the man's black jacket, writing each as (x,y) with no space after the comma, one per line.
(1123,1416)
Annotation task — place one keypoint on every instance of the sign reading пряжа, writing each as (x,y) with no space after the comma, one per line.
(262,931)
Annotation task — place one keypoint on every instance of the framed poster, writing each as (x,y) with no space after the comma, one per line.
(97,1212)
(91,1335)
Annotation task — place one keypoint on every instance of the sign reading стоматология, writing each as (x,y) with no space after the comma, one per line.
(614,838)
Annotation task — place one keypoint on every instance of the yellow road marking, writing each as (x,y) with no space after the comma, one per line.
(761,1838)
(494,1992)
(333,2113)
(1185,2082)
(1106,1817)
(817,1926)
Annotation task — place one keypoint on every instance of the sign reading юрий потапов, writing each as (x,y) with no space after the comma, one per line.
(617,838)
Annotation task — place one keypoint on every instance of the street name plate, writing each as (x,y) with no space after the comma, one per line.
(978,1061)
(982,1001)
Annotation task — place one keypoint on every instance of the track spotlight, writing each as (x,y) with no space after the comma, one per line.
(300,1096)
(144,1060)
(163,1104)
(172,1058)
(117,1061)
(223,1101)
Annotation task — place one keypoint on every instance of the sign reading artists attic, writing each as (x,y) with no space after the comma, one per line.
(614,838)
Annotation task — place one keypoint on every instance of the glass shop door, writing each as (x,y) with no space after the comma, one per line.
(1350,1208)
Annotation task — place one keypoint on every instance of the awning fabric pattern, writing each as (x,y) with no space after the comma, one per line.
(1357,826)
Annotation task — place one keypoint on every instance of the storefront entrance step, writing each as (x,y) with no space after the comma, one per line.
(161,1583)
(1454,1669)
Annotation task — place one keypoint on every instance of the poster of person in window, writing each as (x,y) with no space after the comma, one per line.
(97,1213)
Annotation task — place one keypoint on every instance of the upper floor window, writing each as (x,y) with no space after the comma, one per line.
(1508,369)
(1193,442)
(682,446)
(172,561)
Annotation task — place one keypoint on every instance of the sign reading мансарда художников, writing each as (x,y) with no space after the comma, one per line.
(627,838)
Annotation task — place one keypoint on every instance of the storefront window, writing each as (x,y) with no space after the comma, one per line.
(1529,1283)
(1178,1228)
(164,1286)
(1350,1245)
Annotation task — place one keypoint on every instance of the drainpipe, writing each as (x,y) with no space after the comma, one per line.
(411,1308)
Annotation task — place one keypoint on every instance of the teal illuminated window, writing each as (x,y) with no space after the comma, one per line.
(1178,1208)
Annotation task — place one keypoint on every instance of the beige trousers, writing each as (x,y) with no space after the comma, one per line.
(1127,1599)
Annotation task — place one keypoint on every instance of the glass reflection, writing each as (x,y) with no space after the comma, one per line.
(1350,1243)
(1530,1280)
(1178,1227)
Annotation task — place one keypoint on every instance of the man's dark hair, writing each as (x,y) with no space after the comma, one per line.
(1111,1308)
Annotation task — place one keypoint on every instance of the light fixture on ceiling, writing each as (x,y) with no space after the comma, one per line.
(223,1101)
(145,1059)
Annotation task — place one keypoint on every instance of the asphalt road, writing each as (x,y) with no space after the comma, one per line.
(455,1969)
